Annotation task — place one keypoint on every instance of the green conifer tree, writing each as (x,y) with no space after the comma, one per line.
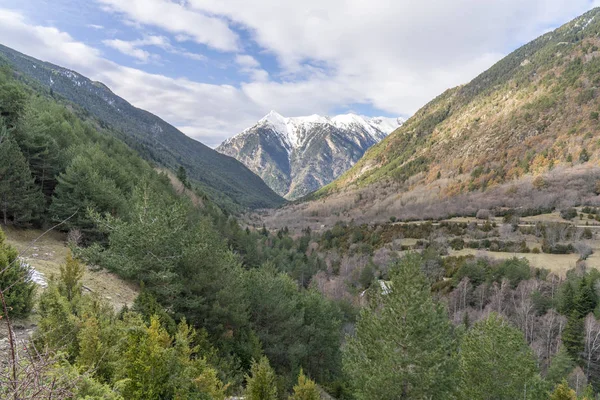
(70,276)
(260,384)
(496,362)
(572,335)
(43,156)
(305,389)
(404,346)
(83,187)
(182,176)
(58,327)
(20,200)
(566,298)
(12,99)
(586,298)
(560,367)
(563,392)
(18,289)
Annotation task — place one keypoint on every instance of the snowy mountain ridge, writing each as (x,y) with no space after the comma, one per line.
(298,155)
(293,129)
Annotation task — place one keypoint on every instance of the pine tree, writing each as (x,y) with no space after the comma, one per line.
(70,276)
(566,299)
(84,187)
(496,362)
(404,346)
(563,392)
(43,156)
(145,365)
(90,344)
(560,367)
(58,327)
(260,384)
(20,200)
(572,335)
(12,99)
(182,176)
(586,298)
(146,305)
(305,389)
(18,289)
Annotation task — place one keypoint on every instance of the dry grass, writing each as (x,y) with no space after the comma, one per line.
(557,263)
(47,255)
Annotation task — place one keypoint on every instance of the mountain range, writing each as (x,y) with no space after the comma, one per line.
(296,156)
(222,178)
(523,134)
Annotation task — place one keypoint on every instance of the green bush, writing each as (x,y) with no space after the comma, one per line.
(15,281)
(568,213)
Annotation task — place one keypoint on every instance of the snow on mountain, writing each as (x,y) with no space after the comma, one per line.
(298,155)
(291,130)
(386,124)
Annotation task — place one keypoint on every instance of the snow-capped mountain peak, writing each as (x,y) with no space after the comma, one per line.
(297,155)
(291,129)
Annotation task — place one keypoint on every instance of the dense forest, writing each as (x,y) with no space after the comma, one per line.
(226,181)
(215,306)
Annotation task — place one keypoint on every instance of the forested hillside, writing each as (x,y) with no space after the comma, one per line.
(523,133)
(57,164)
(224,179)
(200,272)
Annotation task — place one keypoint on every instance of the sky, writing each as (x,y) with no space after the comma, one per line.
(214,67)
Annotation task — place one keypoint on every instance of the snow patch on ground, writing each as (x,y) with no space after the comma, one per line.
(35,276)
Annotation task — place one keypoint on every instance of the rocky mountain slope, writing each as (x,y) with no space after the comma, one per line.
(223,178)
(296,156)
(522,134)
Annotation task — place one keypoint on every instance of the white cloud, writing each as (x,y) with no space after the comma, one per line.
(395,55)
(251,67)
(130,49)
(94,26)
(133,48)
(207,112)
(178,19)
(247,61)
(392,55)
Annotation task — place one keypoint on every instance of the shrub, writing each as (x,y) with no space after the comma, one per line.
(261,383)
(539,183)
(568,213)
(515,270)
(477,172)
(16,275)
(483,214)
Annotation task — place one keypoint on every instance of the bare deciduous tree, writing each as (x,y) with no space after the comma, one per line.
(591,350)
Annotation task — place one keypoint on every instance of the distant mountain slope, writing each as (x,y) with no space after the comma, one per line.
(531,110)
(296,156)
(522,134)
(224,178)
